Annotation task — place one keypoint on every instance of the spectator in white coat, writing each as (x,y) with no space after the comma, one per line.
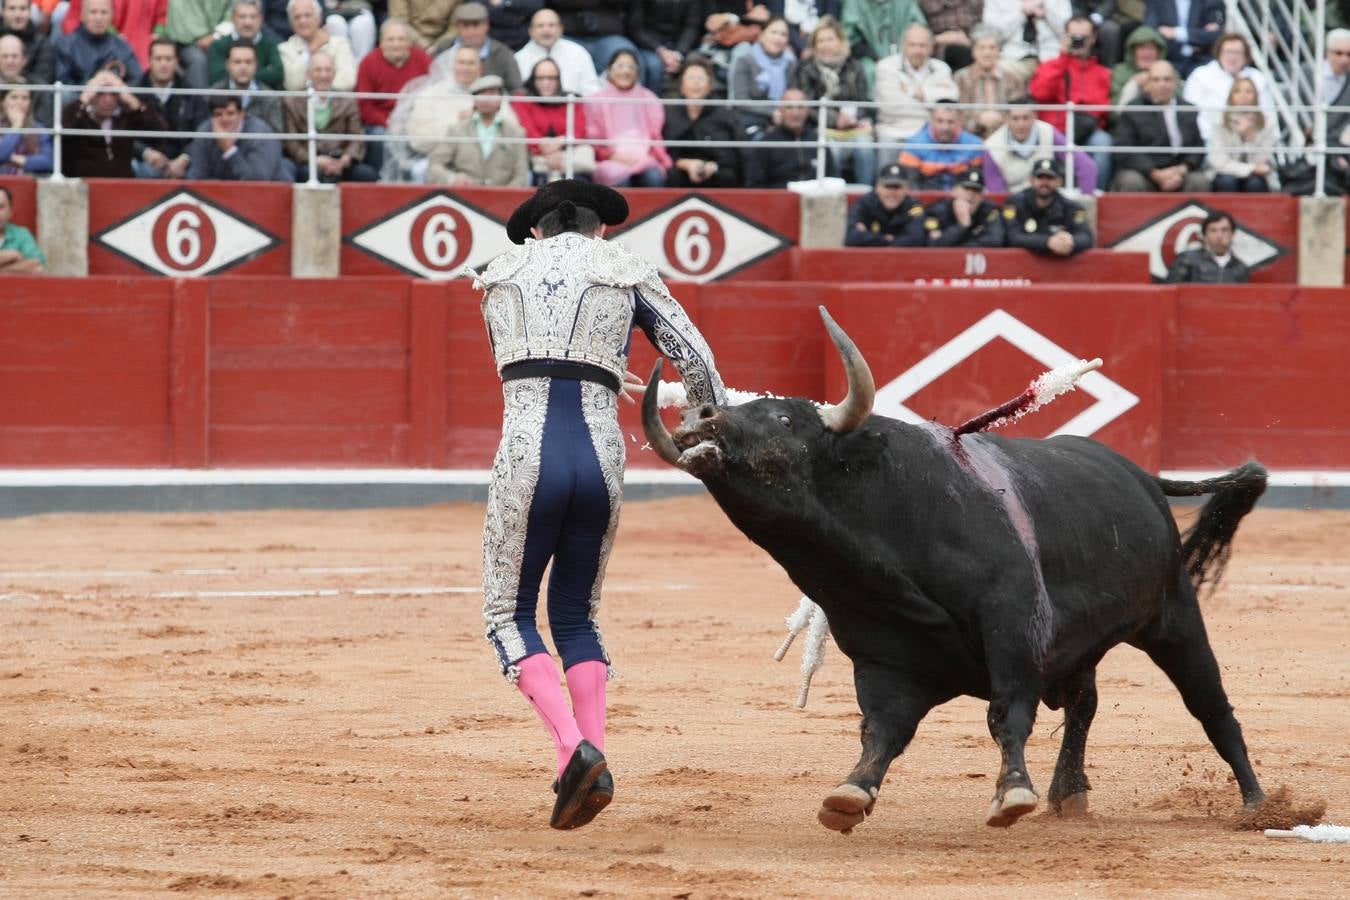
(906,82)
(1208,86)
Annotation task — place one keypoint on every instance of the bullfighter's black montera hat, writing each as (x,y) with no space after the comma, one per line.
(607,203)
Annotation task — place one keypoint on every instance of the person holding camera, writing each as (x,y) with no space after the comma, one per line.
(1075,76)
(108,107)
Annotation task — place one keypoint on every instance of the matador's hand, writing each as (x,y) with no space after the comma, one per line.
(632,387)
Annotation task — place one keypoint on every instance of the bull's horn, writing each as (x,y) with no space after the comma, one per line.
(862,390)
(657,436)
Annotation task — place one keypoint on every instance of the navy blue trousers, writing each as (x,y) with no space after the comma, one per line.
(567,524)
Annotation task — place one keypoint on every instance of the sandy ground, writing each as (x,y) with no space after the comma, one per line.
(166,734)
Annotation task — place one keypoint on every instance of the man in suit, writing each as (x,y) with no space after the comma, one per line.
(241,64)
(486,159)
(167,157)
(221,155)
(1156,119)
(1189,43)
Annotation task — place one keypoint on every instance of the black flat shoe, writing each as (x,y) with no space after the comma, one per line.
(577,804)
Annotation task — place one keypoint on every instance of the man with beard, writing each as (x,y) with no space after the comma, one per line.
(1043,220)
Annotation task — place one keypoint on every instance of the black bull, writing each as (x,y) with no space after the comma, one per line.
(1002,569)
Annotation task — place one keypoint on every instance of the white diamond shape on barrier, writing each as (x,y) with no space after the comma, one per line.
(428,238)
(1248,246)
(1112,398)
(697,241)
(185,236)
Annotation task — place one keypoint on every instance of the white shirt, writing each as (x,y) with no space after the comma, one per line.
(1332,83)
(1183,17)
(1170,119)
(574,64)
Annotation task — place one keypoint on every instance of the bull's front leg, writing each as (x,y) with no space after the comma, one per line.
(892,707)
(1012,713)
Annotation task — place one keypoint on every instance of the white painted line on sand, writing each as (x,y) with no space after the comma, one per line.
(194,573)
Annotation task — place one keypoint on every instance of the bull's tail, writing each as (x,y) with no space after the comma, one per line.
(1206,545)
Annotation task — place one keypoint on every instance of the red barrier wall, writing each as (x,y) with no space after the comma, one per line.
(393,372)
(967,267)
(1258,371)
(431,232)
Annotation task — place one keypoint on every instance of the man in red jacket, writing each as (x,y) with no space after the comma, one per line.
(387,70)
(1075,75)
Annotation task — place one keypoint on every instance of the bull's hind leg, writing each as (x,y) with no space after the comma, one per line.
(1068,790)
(892,707)
(1180,647)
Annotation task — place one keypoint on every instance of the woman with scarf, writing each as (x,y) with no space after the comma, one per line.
(632,155)
(763,74)
(711,163)
(21,154)
(833,74)
(545,125)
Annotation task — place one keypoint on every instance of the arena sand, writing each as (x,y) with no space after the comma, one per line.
(166,734)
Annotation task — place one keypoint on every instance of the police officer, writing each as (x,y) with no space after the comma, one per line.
(965,219)
(560,311)
(1043,220)
(888,216)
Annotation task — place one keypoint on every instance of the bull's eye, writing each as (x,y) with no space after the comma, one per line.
(785,421)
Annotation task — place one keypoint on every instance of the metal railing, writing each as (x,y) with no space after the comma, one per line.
(1288,41)
(819,108)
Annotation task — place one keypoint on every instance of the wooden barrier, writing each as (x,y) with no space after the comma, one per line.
(966,267)
(391,372)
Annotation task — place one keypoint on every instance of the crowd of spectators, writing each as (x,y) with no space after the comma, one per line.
(497,75)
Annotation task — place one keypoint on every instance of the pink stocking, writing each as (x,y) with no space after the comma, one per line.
(539,683)
(586,684)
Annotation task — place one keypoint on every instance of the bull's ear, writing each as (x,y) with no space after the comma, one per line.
(862,390)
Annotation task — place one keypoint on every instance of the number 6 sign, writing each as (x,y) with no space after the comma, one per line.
(185,234)
(699,240)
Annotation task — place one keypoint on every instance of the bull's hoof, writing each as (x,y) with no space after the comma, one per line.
(1074,806)
(1015,803)
(845,807)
